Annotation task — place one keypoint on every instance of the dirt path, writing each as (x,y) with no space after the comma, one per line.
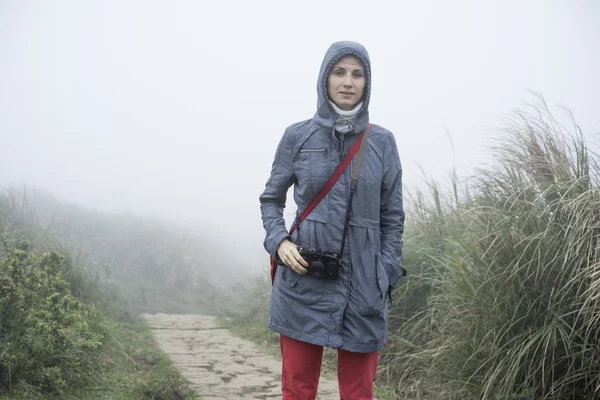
(221,366)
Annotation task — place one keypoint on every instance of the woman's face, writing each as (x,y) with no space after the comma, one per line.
(346,82)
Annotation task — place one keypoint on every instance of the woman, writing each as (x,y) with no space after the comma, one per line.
(348,313)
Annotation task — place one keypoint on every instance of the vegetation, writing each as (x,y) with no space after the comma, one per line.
(501,301)
(154,265)
(42,323)
(63,335)
(128,367)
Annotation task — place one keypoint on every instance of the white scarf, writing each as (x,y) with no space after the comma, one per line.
(345,120)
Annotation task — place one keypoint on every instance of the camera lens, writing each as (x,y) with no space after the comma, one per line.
(317,269)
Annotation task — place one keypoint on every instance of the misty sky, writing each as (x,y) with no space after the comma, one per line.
(174,108)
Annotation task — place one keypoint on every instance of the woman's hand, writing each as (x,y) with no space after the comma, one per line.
(288,253)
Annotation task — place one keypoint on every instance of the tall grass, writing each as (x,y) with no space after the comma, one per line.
(502,301)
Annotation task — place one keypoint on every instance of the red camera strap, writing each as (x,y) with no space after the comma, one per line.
(323,192)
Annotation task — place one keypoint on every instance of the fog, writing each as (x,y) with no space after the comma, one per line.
(175,108)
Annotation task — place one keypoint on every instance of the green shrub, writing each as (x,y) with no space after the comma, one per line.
(46,334)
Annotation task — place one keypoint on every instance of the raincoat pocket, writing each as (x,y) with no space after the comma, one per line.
(311,169)
(302,289)
(371,289)
(290,277)
(382,276)
(306,289)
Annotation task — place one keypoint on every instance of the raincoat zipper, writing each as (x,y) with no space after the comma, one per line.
(345,175)
(313,151)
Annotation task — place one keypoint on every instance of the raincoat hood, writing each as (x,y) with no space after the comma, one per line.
(326,115)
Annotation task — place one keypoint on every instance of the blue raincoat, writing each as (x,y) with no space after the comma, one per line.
(350,312)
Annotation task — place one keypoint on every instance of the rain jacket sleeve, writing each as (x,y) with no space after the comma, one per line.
(392,213)
(272,200)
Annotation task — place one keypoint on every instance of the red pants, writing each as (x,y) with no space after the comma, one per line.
(301,368)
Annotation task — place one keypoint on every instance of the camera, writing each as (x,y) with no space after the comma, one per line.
(321,264)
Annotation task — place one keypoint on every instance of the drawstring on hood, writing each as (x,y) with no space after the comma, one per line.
(330,116)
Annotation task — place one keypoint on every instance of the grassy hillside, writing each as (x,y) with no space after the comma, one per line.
(156,266)
(501,301)
(62,334)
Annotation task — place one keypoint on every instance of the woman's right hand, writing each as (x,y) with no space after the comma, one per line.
(288,253)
